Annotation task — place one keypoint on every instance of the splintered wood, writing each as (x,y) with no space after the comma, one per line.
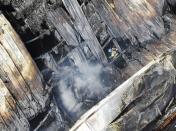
(22,93)
(135,20)
(83,27)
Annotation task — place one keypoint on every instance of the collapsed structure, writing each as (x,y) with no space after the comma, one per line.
(85,49)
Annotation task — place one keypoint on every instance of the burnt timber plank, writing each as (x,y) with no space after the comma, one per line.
(11,117)
(19,88)
(23,94)
(63,25)
(83,27)
(135,20)
(99,28)
(109,17)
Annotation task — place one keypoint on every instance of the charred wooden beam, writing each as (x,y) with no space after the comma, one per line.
(23,92)
(11,116)
(82,26)
(135,20)
(62,22)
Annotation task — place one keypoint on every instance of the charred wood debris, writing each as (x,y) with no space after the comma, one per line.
(86,48)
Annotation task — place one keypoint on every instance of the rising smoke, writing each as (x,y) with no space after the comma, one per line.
(77,89)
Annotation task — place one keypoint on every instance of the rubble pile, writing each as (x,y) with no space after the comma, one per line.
(85,50)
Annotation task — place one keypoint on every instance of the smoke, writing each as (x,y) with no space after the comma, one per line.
(89,80)
(78,88)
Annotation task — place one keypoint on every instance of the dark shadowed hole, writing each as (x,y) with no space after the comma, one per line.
(36,121)
(42,45)
(7,8)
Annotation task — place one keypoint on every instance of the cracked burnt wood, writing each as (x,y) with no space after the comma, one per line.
(152,50)
(11,116)
(62,22)
(139,21)
(82,26)
(22,91)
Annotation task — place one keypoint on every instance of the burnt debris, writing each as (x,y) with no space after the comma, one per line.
(86,48)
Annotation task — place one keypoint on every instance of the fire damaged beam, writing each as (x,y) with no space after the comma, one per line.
(137,102)
(62,22)
(82,26)
(23,92)
(138,21)
(11,117)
